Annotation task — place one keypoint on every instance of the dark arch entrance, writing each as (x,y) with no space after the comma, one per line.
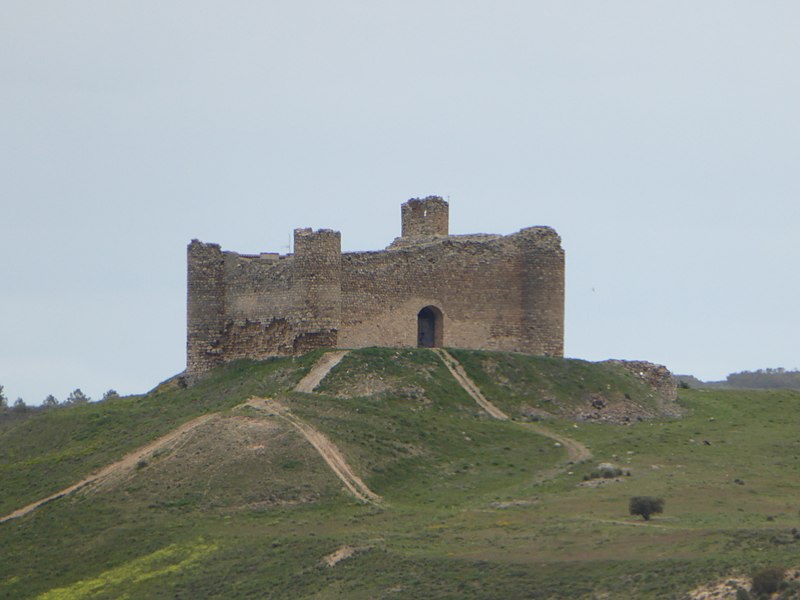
(429,327)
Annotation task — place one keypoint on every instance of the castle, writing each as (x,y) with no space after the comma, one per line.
(427,288)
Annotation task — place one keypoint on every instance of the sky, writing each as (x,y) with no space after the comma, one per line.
(660,139)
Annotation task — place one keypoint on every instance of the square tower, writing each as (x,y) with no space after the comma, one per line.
(425,217)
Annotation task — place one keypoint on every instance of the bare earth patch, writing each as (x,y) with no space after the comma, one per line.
(720,590)
(318,372)
(339,555)
(600,482)
(726,588)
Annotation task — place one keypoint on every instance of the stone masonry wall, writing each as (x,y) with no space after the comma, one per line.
(542,280)
(260,300)
(426,217)
(318,265)
(479,283)
(205,306)
(493,292)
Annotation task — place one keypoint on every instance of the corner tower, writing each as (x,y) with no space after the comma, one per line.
(425,217)
(205,306)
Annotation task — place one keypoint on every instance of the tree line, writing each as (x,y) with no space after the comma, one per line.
(779,378)
(75,398)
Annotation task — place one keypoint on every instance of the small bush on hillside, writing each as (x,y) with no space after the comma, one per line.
(768,580)
(605,471)
(646,506)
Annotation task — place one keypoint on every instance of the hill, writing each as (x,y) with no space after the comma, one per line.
(240,487)
(760,379)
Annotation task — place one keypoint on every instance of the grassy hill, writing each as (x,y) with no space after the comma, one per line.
(471,507)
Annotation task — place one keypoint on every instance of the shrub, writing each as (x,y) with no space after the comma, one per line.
(604,471)
(768,580)
(646,506)
(608,471)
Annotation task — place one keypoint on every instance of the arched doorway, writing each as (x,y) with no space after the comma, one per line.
(429,327)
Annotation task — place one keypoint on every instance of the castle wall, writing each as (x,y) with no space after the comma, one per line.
(492,292)
(261,318)
(274,305)
(480,283)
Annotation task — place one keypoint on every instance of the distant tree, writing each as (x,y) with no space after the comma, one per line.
(19,405)
(3,399)
(112,393)
(646,506)
(77,397)
(50,401)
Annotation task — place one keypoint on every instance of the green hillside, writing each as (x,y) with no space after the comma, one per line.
(241,505)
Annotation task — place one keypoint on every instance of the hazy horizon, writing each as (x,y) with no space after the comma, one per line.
(660,141)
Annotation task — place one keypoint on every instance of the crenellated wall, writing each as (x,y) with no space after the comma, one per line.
(488,291)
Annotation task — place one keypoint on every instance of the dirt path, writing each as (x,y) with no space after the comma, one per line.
(126,463)
(326,448)
(318,372)
(576,451)
(465,382)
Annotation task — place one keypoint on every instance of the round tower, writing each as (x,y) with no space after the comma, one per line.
(205,307)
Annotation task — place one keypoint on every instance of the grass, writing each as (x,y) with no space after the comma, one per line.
(518,382)
(51,449)
(464,513)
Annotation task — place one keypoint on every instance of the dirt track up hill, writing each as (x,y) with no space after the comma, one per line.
(323,445)
(126,463)
(329,452)
(576,451)
(318,372)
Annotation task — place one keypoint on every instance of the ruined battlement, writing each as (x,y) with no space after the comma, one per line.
(428,288)
(425,217)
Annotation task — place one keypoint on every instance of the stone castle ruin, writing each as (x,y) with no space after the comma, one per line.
(427,288)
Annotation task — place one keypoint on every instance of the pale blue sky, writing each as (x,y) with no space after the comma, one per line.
(661,139)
